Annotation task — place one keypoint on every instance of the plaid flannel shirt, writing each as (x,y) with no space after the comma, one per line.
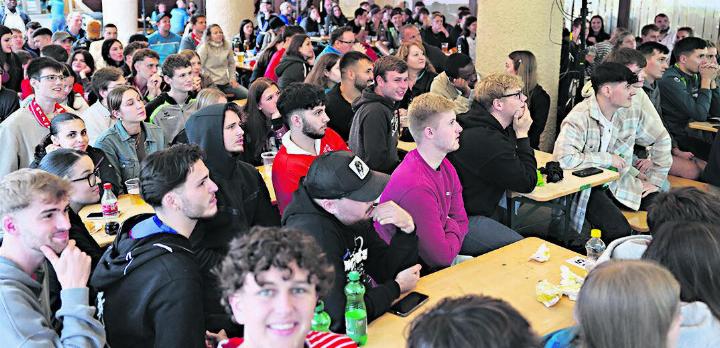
(578,147)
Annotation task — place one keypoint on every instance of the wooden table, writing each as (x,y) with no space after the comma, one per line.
(127,205)
(505,273)
(557,195)
(267,177)
(705,126)
(406,146)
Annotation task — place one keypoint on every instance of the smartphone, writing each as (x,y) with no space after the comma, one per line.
(95,215)
(408,304)
(587,172)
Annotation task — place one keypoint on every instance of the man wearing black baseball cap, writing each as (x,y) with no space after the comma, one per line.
(334,204)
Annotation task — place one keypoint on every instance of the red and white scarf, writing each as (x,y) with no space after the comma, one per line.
(39,114)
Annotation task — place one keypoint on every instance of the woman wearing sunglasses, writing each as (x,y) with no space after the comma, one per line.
(67,131)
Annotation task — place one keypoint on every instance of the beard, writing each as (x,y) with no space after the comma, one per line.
(360,85)
(312,133)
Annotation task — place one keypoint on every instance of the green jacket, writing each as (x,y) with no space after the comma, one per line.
(682,99)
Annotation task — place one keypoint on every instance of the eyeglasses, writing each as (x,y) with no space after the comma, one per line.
(519,95)
(52,78)
(347,42)
(91,178)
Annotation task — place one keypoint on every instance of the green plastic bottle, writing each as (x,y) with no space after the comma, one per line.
(355,313)
(321,320)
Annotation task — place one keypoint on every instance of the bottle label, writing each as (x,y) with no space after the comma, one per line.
(356,323)
(110,209)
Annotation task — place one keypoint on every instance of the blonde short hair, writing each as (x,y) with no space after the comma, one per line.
(19,188)
(494,86)
(423,110)
(209,96)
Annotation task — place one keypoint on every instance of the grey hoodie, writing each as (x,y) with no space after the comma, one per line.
(25,323)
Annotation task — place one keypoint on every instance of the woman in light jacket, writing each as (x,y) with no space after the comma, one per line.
(218,62)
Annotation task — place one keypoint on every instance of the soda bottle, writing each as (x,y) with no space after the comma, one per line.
(355,313)
(321,320)
(594,246)
(109,203)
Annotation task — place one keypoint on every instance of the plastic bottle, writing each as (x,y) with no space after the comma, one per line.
(594,246)
(109,203)
(321,320)
(355,313)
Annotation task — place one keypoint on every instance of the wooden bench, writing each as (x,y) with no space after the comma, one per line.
(638,219)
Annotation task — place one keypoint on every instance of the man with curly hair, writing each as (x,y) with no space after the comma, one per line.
(271,280)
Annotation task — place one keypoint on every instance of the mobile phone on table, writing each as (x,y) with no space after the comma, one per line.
(95,215)
(408,304)
(587,172)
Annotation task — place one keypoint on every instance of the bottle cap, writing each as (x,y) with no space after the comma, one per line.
(354,276)
(595,233)
(320,306)
(107,186)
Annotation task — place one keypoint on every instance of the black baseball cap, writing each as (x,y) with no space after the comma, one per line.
(341,174)
(162,15)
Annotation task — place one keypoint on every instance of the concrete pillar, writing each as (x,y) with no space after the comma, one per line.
(228,14)
(509,25)
(124,14)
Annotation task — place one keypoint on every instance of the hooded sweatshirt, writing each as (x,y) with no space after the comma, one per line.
(150,288)
(353,248)
(25,322)
(242,200)
(374,131)
(699,328)
(291,69)
(490,161)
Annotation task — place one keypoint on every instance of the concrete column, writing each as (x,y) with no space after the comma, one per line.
(509,25)
(124,14)
(228,14)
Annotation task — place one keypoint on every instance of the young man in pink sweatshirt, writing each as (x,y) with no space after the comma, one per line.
(427,186)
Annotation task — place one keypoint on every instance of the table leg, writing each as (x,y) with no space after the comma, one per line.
(509,204)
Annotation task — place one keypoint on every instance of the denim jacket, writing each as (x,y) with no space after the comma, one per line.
(119,148)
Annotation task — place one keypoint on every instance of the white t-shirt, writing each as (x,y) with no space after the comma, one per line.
(13,20)
(605,133)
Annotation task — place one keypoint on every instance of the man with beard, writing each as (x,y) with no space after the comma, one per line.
(302,107)
(456,82)
(667,36)
(35,223)
(356,73)
(150,287)
(28,126)
(334,204)
(375,129)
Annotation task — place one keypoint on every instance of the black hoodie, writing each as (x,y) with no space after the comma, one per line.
(374,131)
(242,200)
(357,247)
(291,69)
(491,160)
(149,289)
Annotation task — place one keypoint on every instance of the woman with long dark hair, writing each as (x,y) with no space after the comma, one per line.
(265,127)
(297,62)
(12,69)
(245,38)
(466,41)
(335,19)
(524,65)
(67,131)
(83,65)
(597,31)
(112,53)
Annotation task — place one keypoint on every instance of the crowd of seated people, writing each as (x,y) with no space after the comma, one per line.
(232,248)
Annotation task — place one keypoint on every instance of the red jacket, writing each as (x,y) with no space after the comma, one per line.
(274,61)
(313,339)
(292,163)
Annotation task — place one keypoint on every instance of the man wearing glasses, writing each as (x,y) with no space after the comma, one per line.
(342,41)
(28,126)
(495,154)
(456,82)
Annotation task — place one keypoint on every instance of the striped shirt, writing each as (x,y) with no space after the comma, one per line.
(313,339)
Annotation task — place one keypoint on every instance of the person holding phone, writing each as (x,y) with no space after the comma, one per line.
(259,263)
(334,204)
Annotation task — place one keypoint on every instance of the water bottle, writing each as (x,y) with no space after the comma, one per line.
(594,246)
(109,203)
(321,320)
(355,313)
